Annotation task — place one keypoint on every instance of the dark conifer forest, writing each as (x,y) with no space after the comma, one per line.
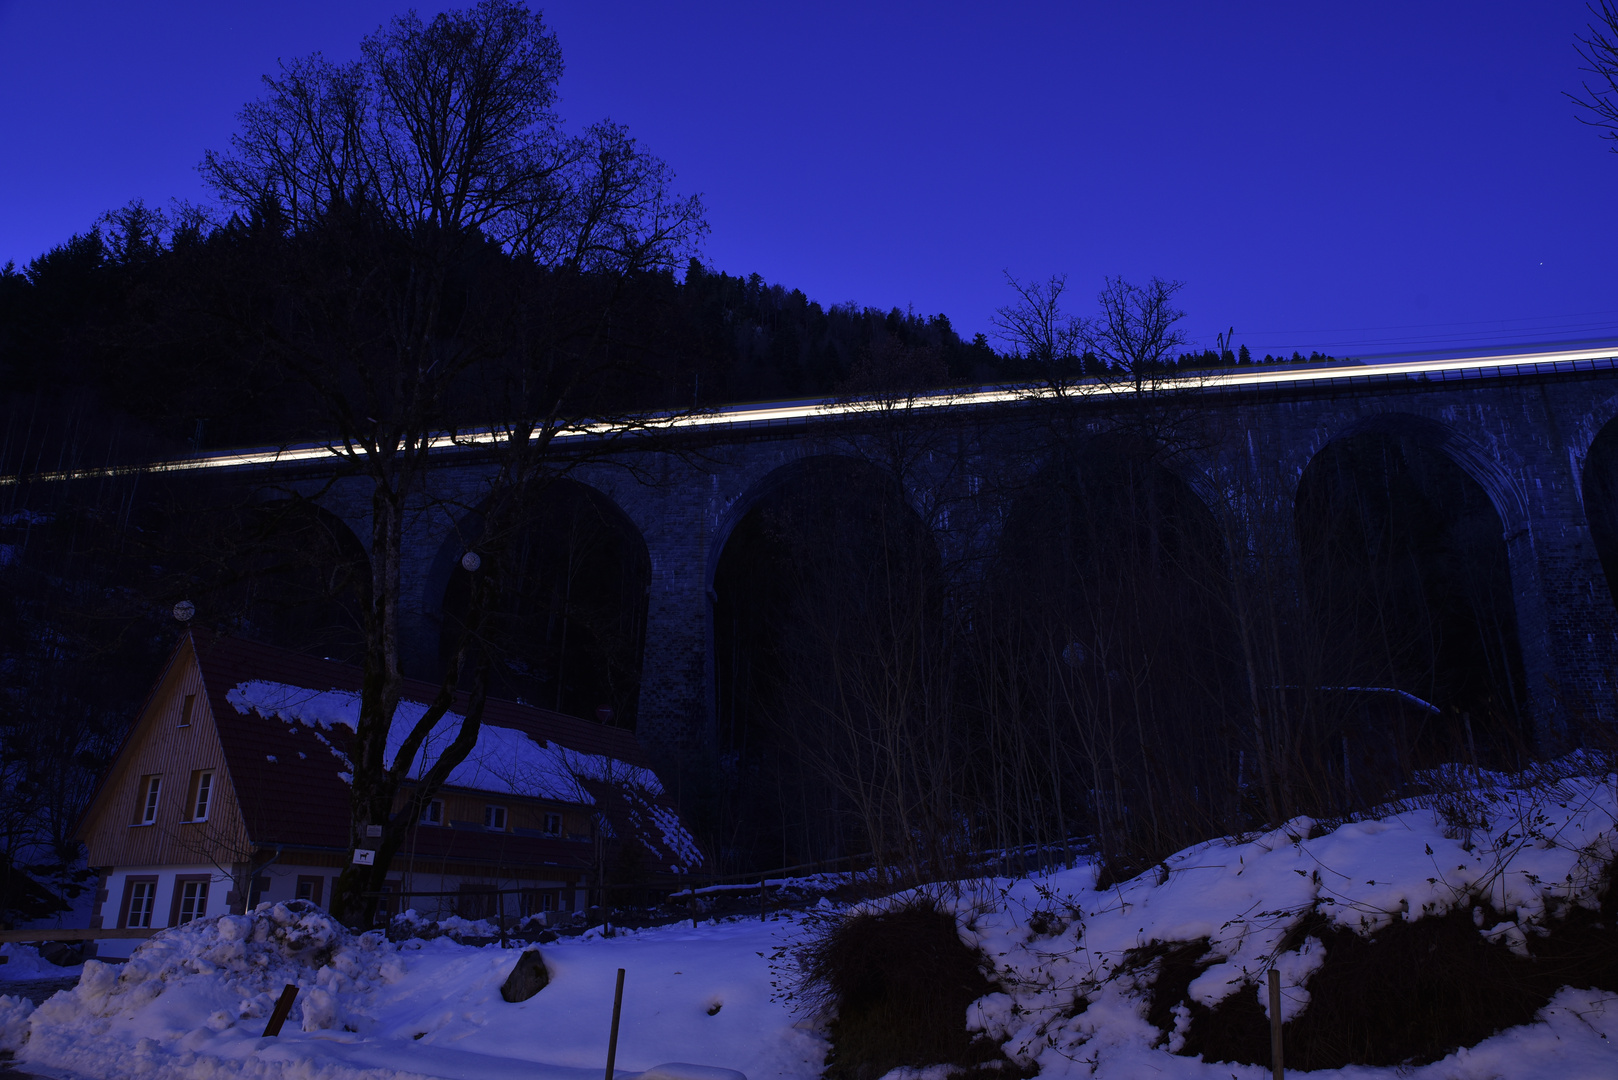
(131,335)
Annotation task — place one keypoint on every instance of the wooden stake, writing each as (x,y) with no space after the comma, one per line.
(1471,747)
(282,1008)
(1277,1068)
(612,1041)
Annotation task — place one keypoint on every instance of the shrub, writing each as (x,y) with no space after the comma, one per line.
(899,982)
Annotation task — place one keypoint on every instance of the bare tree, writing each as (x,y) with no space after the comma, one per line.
(1135,335)
(1598,48)
(1039,331)
(429,227)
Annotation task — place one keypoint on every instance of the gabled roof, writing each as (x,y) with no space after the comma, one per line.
(291,772)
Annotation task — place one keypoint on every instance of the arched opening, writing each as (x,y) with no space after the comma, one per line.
(1600,484)
(567,624)
(826,605)
(1408,587)
(286,572)
(1106,661)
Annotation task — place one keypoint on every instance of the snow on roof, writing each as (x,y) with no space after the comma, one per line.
(504,759)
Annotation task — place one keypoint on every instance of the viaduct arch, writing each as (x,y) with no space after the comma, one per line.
(1541,447)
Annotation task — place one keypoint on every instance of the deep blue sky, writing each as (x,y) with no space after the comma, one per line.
(1358,177)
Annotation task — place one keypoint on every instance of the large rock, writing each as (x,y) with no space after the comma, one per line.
(679,1070)
(527,978)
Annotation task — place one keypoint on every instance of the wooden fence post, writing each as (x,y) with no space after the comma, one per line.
(283,1007)
(612,1040)
(1277,1067)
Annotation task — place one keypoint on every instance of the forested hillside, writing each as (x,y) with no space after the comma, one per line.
(132,327)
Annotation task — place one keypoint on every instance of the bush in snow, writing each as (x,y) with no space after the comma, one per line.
(1398,939)
(897,980)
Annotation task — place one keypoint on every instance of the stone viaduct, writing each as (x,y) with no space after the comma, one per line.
(1524,433)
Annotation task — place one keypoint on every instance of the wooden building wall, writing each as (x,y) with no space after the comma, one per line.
(159,745)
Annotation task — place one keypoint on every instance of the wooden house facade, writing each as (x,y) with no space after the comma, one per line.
(232,789)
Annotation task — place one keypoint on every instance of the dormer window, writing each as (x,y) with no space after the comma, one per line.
(432,812)
(201,794)
(151,787)
(494,818)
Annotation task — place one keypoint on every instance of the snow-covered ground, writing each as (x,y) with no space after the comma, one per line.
(24,964)
(192,1002)
(1543,848)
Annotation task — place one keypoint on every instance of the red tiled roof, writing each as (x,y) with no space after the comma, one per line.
(288,776)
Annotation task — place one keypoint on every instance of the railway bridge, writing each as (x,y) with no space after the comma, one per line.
(1521,453)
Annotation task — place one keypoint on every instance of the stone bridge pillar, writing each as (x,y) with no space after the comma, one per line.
(671,502)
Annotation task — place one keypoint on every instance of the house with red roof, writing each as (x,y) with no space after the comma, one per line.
(232,788)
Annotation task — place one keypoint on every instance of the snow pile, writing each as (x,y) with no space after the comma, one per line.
(411,923)
(1074,1004)
(14,1022)
(192,1002)
(24,962)
(504,759)
(213,975)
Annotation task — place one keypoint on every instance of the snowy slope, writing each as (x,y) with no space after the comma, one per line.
(1542,848)
(193,1002)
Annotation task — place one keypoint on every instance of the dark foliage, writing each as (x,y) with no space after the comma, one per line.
(802,594)
(1410,994)
(1108,592)
(1402,562)
(566,630)
(158,331)
(899,982)
(1174,965)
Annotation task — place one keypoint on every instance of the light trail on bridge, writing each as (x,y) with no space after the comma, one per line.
(801,410)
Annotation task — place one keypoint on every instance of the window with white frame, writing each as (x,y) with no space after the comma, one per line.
(193,900)
(553,824)
(432,812)
(151,787)
(201,794)
(142,899)
(186,708)
(494,817)
(309,888)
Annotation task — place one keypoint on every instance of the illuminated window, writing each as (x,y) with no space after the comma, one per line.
(494,817)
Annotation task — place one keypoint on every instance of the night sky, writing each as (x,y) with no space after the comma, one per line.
(1362,178)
